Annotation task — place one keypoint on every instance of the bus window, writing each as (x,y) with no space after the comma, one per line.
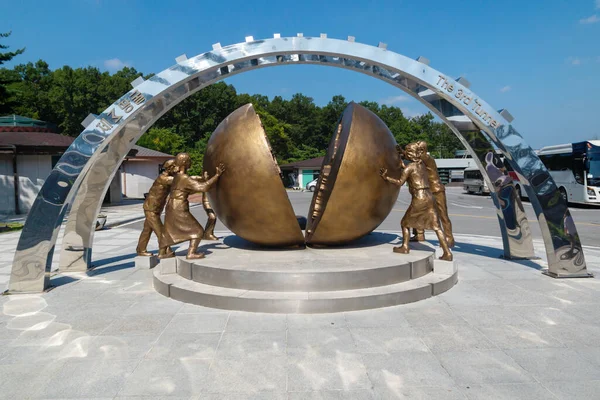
(578,170)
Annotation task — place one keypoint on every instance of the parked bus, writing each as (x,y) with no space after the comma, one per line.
(575,167)
(474,182)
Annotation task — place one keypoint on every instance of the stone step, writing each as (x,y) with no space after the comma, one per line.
(303,274)
(179,288)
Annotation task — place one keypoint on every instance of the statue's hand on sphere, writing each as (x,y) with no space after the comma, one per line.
(220,169)
(383,173)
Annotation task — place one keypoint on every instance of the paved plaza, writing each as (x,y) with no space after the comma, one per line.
(505,331)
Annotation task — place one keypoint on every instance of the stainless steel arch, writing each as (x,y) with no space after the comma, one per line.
(88,166)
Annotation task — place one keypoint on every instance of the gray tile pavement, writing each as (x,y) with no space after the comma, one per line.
(504,332)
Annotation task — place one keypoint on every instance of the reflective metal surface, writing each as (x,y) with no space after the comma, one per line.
(152,98)
(516,233)
(351,200)
(250,198)
(78,238)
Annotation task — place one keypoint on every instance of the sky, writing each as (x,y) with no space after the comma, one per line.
(538,59)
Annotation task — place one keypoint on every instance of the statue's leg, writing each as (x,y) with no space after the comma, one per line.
(419,235)
(441,206)
(191,254)
(156,226)
(209,230)
(142,245)
(444,245)
(404,249)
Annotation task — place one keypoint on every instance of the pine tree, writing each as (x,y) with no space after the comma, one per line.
(7,76)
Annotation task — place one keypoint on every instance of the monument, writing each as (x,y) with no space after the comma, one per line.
(84,172)
(352,200)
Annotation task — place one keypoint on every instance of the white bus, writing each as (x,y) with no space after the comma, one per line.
(474,182)
(575,167)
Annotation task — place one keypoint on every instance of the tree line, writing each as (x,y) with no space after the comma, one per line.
(297,128)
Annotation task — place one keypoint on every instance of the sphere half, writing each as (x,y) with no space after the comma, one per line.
(352,199)
(249,198)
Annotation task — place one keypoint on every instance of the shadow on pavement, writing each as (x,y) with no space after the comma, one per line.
(61,280)
(491,252)
(112,268)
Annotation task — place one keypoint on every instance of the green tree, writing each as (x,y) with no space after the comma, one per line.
(32,89)
(304,152)
(197,156)
(277,134)
(330,116)
(164,140)
(198,116)
(7,77)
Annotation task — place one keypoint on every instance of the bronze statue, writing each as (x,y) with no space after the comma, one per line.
(153,207)
(421,213)
(439,194)
(209,229)
(180,224)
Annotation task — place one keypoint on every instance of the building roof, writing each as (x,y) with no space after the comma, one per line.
(36,142)
(17,123)
(312,163)
(142,152)
(35,139)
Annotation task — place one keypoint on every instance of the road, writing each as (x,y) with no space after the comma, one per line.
(470,214)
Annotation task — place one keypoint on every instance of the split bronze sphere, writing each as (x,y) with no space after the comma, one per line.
(351,199)
(250,199)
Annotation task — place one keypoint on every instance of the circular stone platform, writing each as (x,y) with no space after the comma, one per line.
(238,275)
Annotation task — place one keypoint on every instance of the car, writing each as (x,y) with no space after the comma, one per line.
(312,185)
(474,182)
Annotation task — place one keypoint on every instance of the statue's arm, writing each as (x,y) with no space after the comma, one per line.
(403,177)
(208,183)
(399,182)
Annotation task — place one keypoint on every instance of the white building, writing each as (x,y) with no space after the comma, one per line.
(453,169)
(138,172)
(29,150)
(299,173)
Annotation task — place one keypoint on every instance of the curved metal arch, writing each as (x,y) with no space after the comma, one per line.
(132,114)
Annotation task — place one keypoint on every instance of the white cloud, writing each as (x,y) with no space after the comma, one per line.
(590,20)
(114,64)
(574,60)
(505,89)
(395,100)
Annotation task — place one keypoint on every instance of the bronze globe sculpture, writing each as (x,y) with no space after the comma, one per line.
(350,201)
